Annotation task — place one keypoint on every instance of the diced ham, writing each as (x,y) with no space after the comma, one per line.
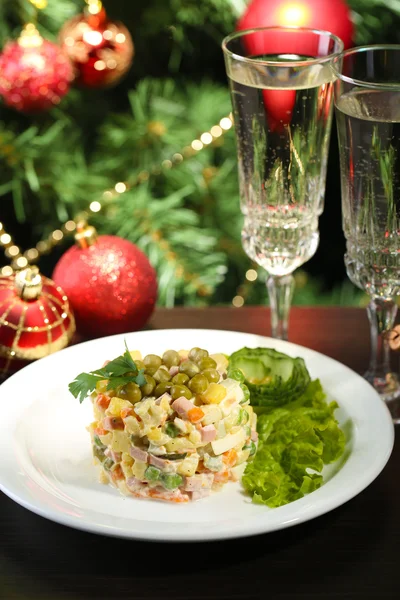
(200,494)
(173,371)
(134,484)
(202,481)
(115,456)
(182,406)
(138,454)
(111,423)
(254,436)
(160,463)
(208,433)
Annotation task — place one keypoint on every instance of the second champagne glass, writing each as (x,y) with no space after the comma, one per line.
(281,90)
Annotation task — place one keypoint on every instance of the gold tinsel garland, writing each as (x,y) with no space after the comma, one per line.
(21,259)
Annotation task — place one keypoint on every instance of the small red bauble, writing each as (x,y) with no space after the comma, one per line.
(110,283)
(34,73)
(35,319)
(328,15)
(100,50)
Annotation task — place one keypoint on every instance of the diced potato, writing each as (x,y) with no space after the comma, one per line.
(184,354)
(132,425)
(195,437)
(222,362)
(98,412)
(165,406)
(135,355)
(242,456)
(120,441)
(229,441)
(155,434)
(138,469)
(103,477)
(116,405)
(178,445)
(212,414)
(182,425)
(214,394)
(126,469)
(188,466)
(106,439)
(127,459)
(231,420)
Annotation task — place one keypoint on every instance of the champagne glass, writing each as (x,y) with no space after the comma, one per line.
(281,84)
(367,106)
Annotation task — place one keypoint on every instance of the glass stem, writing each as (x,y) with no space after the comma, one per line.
(280,291)
(381,315)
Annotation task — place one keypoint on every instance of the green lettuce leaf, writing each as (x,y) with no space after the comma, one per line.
(295,441)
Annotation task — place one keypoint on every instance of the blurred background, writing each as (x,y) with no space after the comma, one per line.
(140,143)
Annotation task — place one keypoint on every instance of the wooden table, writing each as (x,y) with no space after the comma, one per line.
(352,553)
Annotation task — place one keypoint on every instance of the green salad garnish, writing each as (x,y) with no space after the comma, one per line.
(298,432)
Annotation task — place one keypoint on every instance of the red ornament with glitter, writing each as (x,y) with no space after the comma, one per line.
(34,73)
(35,319)
(110,283)
(101,50)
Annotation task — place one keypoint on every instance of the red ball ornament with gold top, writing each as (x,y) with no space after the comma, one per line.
(35,319)
(101,50)
(34,73)
(329,15)
(110,283)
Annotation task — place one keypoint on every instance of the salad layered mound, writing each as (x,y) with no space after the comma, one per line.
(178,430)
(178,426)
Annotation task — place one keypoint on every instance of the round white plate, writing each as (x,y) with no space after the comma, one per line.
(46,463)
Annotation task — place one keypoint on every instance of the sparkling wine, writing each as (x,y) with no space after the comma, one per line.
(369,127)
(282,119)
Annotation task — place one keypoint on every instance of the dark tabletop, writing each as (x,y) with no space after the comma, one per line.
(353,552)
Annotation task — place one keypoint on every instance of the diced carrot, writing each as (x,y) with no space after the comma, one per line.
(100,431)
(117,473)
(230,458)
(103,401)
(195,414)
(222,477)
(159,495)
(125,412)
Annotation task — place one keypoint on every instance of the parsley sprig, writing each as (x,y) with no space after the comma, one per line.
(120,371)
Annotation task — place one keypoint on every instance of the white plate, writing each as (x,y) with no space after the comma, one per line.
(46,463)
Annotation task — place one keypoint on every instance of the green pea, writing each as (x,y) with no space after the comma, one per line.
(198,384)
(243,417)
(152,473)
(236,374)
(130,391)
(162,388)
(161,375)
(212,375)
(180,378)
(245,392)
(149,386)
(172,430)
(152,362)
(171,480)
(197,354)
(139,365)
(207,363)
(189,368)
(177,391)
(171,358)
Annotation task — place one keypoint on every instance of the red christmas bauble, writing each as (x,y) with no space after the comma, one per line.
(34,73)
(328,15)
(101,50)
(35,319)
(110,283)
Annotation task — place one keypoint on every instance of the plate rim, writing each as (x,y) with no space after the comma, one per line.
(102,529)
